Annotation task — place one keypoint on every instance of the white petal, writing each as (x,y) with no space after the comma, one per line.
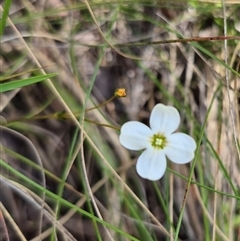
(151,164)
(180,148)
(164,119)
(135,135)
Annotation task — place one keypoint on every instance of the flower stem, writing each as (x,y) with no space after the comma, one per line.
(63,115)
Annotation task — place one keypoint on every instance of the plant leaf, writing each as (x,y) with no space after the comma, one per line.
(24,82)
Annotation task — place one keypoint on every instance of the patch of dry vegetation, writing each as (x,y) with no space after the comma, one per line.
(64,39)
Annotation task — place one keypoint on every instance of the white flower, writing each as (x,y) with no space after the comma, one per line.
(158,141)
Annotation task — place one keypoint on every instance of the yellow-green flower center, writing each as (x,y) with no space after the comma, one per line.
(158,141)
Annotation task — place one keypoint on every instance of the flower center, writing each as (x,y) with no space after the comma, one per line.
(158,141)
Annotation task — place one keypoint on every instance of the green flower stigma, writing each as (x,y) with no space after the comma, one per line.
(158,141)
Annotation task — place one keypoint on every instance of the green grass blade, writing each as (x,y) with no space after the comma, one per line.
(3,20)
(24,82)
(194,163)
